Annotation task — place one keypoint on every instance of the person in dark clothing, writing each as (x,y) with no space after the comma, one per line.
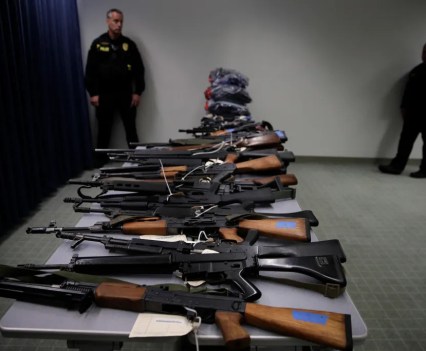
(114,80)
(413,111)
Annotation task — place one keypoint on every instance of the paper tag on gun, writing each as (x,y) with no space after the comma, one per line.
(155,325)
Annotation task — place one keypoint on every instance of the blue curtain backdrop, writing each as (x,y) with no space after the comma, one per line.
(45,136)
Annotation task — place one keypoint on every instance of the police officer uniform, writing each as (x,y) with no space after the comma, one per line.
(413,107)
(114,71)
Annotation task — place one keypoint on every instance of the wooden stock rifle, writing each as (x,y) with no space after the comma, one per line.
(214,226)
(320,327)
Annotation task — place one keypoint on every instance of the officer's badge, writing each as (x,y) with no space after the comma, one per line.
(125,46)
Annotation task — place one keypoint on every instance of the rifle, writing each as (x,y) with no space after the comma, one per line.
(234,265)
(187,162)
(153,209)
(222,128)
(143,246)
(190,158)
(320,327)
(226,227)
(230,135)
(211,191)
(134,205)
(267,139)
(218,169)
(173,175)
(261,164)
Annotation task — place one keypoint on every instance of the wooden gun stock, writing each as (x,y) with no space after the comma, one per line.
(284,179)
(325,328)
(175,169)
(262,141)
(234,335)
(121,296)
(148,227)
(195,146)
(170,172)
(282,228)
(267,163)
(319,327)
(219,132)
(231,158)
(267,140)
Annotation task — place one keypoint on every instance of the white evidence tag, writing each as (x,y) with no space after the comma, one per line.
(160,325)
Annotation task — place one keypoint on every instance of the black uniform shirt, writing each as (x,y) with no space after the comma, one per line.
(414,98)
(114,66)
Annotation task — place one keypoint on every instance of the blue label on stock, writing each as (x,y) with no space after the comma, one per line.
(286,225)
(279,133)
(230,130)
(310,317)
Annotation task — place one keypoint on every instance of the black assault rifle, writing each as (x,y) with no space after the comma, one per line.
(233,264)
(190,158)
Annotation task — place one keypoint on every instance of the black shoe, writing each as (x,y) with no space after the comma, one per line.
(418,174)
(389,169)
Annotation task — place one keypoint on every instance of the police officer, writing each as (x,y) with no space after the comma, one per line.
(114,79)
(413,110)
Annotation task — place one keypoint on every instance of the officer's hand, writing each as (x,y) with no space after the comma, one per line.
(135,100)
(94,100)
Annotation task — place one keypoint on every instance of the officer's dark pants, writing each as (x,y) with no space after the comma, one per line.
(412,127)
(105,112)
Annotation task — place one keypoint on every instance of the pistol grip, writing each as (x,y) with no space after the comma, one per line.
(234,335)
(230,234)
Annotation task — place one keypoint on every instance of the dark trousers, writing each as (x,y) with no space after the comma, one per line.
(105,112)
(414,124)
